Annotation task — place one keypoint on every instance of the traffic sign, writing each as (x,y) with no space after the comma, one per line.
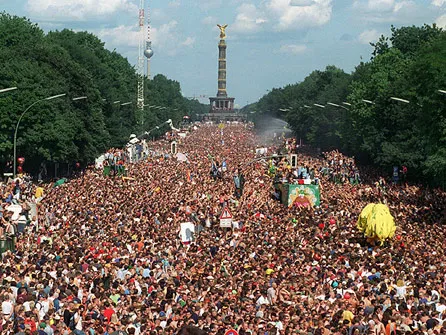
(226,218)
(226,214)
(231,332)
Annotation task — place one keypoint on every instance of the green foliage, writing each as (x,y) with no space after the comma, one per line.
(392,132)
(409,40)
(75,63)
(319,126)
(411,65)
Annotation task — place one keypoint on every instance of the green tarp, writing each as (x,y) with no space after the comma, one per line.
(59,182)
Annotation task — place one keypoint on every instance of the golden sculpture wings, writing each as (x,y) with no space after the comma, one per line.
(222,30)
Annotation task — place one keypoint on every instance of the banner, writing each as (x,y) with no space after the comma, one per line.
(299,195)
(304,195)
(261,151)
(187,232)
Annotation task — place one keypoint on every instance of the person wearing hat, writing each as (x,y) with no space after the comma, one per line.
(48,326)
(41,330)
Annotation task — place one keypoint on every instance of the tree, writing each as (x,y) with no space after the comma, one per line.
(409,40)
(75,63)
(410,64)
(319,126)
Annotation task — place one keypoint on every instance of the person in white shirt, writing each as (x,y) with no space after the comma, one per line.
(7,308)
(78,322)
(272,297)
(262,301)
(440,307)
(42,307)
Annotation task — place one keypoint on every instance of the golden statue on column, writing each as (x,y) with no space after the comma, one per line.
(222,31)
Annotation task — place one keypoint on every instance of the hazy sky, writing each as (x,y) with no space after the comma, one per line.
(271,43)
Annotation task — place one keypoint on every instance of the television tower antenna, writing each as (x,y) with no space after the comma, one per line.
(148,52)
(144,50)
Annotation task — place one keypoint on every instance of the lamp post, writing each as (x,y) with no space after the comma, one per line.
(119,104)
(336,105)
(20,119)
(400,100)
(8,89)
(318,105)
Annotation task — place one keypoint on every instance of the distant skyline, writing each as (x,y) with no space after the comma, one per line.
(271,43)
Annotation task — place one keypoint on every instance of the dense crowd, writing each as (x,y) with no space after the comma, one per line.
(340,168)
(105,255)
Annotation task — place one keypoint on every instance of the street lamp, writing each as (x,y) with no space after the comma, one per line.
(400,100)
(20,119)
(8,89)
(336,105)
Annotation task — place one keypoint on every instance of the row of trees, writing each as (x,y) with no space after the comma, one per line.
(78,64)
(362,118)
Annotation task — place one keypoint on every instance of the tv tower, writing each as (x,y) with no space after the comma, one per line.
(145,49)
(148,52)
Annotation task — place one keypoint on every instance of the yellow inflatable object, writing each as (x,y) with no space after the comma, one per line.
(376,222)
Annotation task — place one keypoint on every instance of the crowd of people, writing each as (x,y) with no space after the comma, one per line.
(340,168)
(104,255)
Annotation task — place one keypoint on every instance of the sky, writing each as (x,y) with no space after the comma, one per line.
(270,43)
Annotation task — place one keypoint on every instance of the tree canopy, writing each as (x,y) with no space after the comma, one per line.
(359,114)
(77,64)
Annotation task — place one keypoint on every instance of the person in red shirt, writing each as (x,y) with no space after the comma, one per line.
(108,311)
(31,322)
